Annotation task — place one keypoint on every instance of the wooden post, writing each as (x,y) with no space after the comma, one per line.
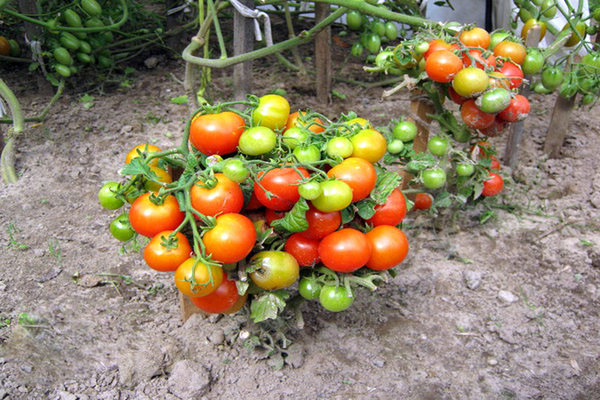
(511,153)
(323,55)
(187,308)
(559,125)
(243,42)
(419,108)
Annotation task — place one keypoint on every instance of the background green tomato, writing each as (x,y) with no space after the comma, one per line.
(357,50)
(395,146)
(307,154)
(121,229)
(552,78)
(339,147)
(391,30)
(354,20)
(493,101)
(434,178)
(465,169)
(438,146)
(336,196)
(107,196)
(533,63)
(372,42)
(309,288)
(235,170)
(310,190)
(295,136)
(405,131)
(335,298)
(257,140)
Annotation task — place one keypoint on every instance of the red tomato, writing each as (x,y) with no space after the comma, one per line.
(474,117)
(219,301)
(225,197)
(272,215)
(231,239)
(492,185)
(423,201)
(321,224)
(475,37)
(171,255)
(442,66)
(389,247)
(455,97)
(517,110)
(217,133)
(304,250)
(314,125)
(149,219)
(437,45)
(196,279)
(282,183)
(495,129)
(392,212)
(513,72)
(345,250)
(253,204)
(358,173)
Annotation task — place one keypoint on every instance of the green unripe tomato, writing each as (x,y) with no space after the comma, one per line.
(309,288)
(395,146)
(257,140)
(108,197)
(465,169)
(339,147)
(310,190)
(236,170)
(295,136)
(121,228)
(335,298)
(405,131)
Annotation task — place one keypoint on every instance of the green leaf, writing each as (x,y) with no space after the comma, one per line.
(86,98)
(242,287)
(386,183)
(420,161)
(33,66)
(268,305)
(136,167)
(295,220)
(179,100)
(366,208)
(443,200)
(477,189)
(347,215)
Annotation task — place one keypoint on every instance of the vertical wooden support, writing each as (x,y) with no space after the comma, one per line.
(187,308)
(559,125)
(34,32)
(243,42)
(511,152)
(419,108)
(323,55)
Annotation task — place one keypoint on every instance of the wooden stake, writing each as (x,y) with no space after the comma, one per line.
(419,108)
(187,308)
(243,42)
(323,55)
(511,153)
(559,125)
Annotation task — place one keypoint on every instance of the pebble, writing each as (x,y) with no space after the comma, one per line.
(378,362)
(189,380)
(507,297)
(26,368)
(492,361)
(39,253)
(216,337)
(473,279)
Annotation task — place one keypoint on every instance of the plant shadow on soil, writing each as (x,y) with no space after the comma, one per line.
(508,309)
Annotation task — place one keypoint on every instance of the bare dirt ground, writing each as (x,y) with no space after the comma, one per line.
(504,310)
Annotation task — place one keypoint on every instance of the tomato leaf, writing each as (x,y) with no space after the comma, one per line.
(295,220)
(347,215)
(179,100)
(386,183)
(477,190)
(443,200)
(420,161)
(136,167)
(366,208)
(242,287)
(268,305)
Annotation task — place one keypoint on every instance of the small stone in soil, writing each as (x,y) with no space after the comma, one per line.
(507,297)
(473,279)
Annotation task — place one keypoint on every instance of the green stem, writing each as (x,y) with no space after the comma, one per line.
(7,162)
(304,37)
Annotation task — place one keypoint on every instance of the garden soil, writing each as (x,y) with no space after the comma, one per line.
(507,309)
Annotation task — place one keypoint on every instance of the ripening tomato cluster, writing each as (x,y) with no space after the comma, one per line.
(482,73)
(257,201)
